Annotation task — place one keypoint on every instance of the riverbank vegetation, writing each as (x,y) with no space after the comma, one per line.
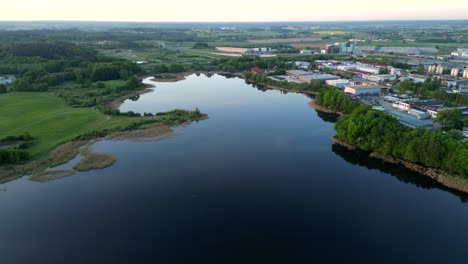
(68,142)
(336,100)
(92,160)
(375,131)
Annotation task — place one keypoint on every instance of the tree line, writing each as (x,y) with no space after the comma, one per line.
(372,130)
(337,101)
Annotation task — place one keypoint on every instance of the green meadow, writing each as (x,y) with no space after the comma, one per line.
(50,120)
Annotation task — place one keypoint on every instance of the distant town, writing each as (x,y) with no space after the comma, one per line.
(377,84)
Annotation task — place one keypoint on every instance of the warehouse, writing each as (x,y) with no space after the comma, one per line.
(362,89)
(318,77)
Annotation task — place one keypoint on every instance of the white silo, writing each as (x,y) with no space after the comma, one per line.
(454,72)
(465,74)
(440,69)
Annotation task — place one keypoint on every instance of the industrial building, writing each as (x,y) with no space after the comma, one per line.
(339,48)
(415,78)
(309,77)
(362,89)
(462,53)
(302,64)
(395,71)
(318,77)
(402,106)
(339,83)
(360,69)
(297,73)
(259,50)
(231,50)
(245,51)
(379,78)
(418,114)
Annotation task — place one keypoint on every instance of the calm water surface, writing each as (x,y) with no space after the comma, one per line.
(258,182)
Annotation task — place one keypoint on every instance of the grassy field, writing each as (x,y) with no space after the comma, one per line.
(50,120)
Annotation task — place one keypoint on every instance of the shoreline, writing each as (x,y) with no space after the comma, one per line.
(323,109)
(273,87)
(42,169)
(449,181)
(171,78)
(175,77)
(117,102)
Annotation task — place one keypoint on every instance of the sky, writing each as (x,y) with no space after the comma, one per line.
(232,11)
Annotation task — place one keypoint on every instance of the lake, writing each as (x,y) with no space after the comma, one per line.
(260,181)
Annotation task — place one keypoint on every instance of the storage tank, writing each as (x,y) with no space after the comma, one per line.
(465,74)
(455,72)
(418,114)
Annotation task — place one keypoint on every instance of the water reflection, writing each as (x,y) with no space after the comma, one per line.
(403,174)
(327,117)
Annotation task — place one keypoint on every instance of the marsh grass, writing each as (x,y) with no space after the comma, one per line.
(91,161)
(47,176)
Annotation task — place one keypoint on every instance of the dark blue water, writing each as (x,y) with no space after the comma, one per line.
(258,182)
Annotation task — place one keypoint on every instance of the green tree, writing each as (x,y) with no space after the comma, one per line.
(384,70)
(3,88)
(406,86)
(22,84)
(455,134)
(421,69)
(450,119)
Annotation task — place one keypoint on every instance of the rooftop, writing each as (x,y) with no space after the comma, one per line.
(364,87)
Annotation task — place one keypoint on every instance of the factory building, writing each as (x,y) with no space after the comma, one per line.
(402,106)
(309,77)
(331,49)
(317,77)
(379,78)
(395,71)
(362,89)
(302,64)
(231,50)
(415,78)
(340,48)
(463,53)
(339,83)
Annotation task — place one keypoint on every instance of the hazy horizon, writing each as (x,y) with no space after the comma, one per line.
(204,11)
(234,22)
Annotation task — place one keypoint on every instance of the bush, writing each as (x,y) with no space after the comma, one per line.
(12,155)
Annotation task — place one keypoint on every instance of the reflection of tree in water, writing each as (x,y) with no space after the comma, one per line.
(135,98)
(228,75)
(403,174)
(327,117)
(257,86)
